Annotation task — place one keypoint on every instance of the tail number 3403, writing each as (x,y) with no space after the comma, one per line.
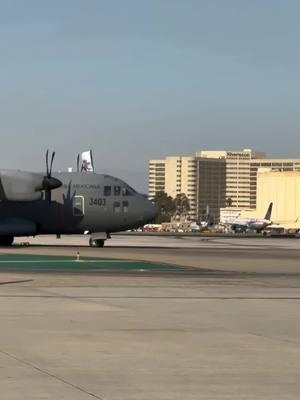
(97,202)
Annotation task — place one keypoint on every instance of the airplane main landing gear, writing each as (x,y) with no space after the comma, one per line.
(96,242)
(97,239)
(6,240)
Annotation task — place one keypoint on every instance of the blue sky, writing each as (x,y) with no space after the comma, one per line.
(141,79)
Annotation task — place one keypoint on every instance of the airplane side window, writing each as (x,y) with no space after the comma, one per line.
(117,207)
(117,190)
(125,206)
(107,190)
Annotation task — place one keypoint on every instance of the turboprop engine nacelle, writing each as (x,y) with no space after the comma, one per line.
(25,186)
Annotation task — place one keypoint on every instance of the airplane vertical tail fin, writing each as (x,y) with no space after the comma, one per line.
(269,212)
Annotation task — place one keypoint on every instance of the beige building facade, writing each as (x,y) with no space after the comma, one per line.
(175,175)
(201,181)
(281,165)
(241,173)
(180,177)
(283,189)
(156,179)
(238,167)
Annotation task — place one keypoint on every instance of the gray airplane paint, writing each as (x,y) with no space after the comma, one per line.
(84,202)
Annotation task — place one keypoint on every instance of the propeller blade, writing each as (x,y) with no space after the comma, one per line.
(47,163)
(78,163)
(50,183)
(51,164)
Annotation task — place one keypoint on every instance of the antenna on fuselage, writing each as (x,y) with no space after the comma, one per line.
(92,161)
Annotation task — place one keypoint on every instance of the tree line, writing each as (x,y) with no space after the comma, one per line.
(170,208)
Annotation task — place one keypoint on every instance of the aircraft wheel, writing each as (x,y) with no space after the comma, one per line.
(6,240)
(96,242)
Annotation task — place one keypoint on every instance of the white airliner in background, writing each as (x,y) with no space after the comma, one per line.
(252,224)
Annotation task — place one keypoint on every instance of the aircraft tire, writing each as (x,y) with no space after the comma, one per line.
(96,243)
(6,240)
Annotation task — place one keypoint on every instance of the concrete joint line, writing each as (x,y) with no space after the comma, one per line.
(27,363)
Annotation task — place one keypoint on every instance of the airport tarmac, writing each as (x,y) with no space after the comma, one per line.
(257,255)
(227,327)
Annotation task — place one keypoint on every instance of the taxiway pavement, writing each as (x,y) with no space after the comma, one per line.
(229,330)
(255,255)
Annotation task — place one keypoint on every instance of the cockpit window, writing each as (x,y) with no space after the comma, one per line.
(117,190)
(128,191)
(125,191)
(107,190)
(131,188)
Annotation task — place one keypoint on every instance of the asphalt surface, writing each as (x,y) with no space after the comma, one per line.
(226,327)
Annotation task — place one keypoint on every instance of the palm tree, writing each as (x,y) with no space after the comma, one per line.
(166,206)
(182,205)
(229,202)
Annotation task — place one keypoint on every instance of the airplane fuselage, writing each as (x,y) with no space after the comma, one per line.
(251,224)
(84,202)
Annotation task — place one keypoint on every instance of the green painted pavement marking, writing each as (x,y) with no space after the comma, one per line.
(36,262)
(64,261)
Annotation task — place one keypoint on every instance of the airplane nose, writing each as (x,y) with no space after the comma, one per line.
(151,212)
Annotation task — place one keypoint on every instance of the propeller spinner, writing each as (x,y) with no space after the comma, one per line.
(50,183)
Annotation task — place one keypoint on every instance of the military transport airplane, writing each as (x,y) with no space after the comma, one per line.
(68,203)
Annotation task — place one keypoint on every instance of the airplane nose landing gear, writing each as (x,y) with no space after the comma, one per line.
(96,242)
